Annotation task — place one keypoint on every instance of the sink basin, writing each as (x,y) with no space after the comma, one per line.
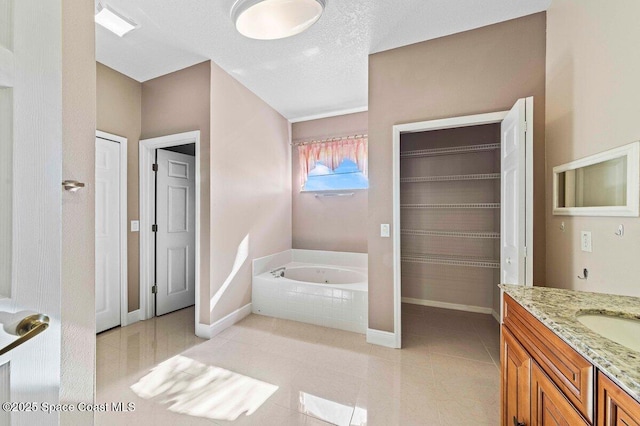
(624,331)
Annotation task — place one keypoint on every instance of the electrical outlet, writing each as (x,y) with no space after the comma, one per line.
(135,226)
(585,241)
(384,230)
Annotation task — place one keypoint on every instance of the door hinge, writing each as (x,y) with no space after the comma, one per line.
(154,167)
(154,228)
(525,251)
(154,289)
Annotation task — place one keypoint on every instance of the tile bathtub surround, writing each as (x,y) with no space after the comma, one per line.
(557,309)
(341,308)
(310,303)
(446,374)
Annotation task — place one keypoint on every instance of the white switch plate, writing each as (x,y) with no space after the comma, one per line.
(384,230)
(585,241)
(135,226)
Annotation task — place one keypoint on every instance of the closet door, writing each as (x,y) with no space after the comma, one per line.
(517,195)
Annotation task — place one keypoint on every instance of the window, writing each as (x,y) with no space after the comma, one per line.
(334,165)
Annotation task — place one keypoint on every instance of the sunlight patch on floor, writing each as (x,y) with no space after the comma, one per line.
(190,387)
(324,409)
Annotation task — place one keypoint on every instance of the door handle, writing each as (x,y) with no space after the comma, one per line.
(29,327)
(72,185)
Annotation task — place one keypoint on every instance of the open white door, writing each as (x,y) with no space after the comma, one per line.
(108,268)
(176,236)
(516,224)
(30,205)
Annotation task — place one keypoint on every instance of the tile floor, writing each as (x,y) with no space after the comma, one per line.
(447,373)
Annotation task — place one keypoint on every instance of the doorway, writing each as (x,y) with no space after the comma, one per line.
(514,259)
(111,231)
(169,223)
(175,229)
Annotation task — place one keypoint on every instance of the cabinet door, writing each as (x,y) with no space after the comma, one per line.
(549,407)
(515,377)
(615,407)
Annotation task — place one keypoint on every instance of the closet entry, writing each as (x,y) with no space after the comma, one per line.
(465,206)
(450,215)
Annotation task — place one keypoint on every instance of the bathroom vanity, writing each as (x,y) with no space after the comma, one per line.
(557,371)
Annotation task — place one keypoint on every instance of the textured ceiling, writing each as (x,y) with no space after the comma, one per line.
(321,71)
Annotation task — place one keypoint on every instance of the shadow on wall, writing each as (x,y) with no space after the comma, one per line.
(242,253)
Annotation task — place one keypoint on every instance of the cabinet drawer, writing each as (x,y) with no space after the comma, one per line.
(548,405)
(615,406)
(565,367)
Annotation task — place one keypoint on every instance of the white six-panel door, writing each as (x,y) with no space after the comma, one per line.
(176,237)
(516,224)
(107,234)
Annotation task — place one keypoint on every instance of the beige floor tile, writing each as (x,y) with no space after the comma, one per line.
(446,342)
(445,374)
(341,339)
(414,351)
(318,384)
(269,415)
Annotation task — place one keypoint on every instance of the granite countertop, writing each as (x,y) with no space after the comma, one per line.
(557,309)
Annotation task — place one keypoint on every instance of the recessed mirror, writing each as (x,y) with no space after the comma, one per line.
(604,184)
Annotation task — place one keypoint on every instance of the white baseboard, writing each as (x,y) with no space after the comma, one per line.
(132,317)
(496,315)
(382,338)
(446,305)
(207,331)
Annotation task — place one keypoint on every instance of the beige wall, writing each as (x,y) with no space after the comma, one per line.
(119,101)
(250,189)
(334,224)
(478,71)
(592,105)
(78,232)
(175,103)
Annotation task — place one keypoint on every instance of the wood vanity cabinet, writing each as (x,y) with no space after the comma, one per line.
(516,381)
(546,382)
(615,406)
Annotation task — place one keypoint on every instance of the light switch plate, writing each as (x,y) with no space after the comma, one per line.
(585,241)
(135,226)
(384,230)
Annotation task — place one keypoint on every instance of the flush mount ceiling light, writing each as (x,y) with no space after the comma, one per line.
(274,19)
(113,21)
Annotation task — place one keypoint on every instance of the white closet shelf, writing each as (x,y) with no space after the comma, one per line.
(485,176)
(451,260)
(449,150)
(452,206)
(452,234)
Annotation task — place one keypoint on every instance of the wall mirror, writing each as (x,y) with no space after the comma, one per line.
(605,184)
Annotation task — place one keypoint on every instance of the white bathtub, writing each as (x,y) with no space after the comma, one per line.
(316,287)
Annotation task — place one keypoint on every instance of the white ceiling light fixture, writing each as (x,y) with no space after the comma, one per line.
(113,21)
(274,19)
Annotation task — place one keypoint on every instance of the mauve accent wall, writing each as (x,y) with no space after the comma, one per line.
(175,103)
(119,105)
(592,106)
(333,224)
(250,190)
(478,71)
